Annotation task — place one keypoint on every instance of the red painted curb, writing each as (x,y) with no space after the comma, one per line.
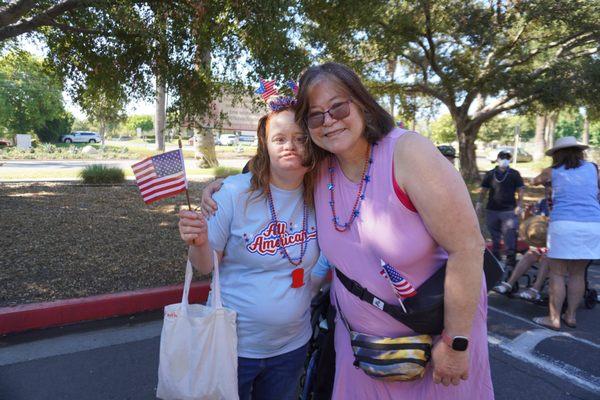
(62,312)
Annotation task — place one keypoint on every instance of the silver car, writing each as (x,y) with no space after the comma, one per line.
(81,137)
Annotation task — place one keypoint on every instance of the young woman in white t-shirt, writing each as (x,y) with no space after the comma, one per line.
(264,232)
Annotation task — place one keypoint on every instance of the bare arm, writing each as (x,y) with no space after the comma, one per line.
(543,178)
(442,200)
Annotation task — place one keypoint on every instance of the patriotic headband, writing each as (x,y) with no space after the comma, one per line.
(267,90)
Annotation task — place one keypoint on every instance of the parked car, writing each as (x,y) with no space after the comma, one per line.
(522,155)
(81,137)
(248,140)
(227,140)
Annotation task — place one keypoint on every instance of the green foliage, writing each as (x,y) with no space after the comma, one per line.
(570,123)
(502,128)
(144,122)
(443,129)
(53,129)
(30,94)
(102,174)
(83,125)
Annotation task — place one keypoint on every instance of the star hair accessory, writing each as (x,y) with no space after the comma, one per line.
(280,103)
(294,86)
(266,89)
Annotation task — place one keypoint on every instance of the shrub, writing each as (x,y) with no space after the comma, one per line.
(98,173)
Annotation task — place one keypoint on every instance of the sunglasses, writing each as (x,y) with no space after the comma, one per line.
(337,111)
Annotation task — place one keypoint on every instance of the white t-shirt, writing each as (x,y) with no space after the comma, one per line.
(273,318)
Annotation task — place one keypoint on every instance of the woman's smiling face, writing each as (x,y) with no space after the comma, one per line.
(336,136)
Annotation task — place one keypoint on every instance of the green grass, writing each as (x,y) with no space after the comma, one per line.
(98,174)
(69,151)
(13,174)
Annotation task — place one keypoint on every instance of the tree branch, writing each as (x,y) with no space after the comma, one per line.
(12,13)
(45,18)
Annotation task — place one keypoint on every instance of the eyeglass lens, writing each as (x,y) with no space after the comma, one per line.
(337,112)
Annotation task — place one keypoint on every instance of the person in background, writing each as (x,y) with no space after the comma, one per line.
(534,232)
(265,234)
(574,228)
(502,209)
(448,152)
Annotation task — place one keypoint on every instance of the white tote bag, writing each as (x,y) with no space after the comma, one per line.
(198,348)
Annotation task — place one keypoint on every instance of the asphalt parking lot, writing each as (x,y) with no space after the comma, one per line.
(118,358)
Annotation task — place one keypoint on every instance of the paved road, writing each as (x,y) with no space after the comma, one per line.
(78,164)
(118,358)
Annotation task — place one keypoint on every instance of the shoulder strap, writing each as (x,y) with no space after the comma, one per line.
(365,295)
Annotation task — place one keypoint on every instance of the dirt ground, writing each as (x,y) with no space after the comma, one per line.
(67,240)
(61,240)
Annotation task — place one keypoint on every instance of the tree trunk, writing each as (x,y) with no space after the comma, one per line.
(540,140)
(205,154)
(160,114)
(551,128)
(466,148)
(102,131)
(205,145)
(586,129)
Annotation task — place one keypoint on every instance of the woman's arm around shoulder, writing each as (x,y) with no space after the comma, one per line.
(544,177)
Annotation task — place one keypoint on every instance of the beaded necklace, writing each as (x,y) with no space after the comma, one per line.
(503,178)
(282,249)
(360,195)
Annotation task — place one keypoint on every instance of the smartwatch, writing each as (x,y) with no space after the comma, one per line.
(457,343)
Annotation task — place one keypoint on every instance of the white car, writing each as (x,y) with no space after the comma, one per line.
(81,137)
(228,140)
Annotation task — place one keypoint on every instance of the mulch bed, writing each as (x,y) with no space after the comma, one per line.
(67,240)
(64,240)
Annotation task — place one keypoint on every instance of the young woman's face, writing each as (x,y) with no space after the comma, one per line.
(334,135)
(285,143)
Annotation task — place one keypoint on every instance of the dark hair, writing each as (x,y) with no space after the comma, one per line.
(570,157)
(378,122)
(504,155)
(260,164)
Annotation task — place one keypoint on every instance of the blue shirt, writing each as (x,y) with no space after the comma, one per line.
(273,318)
(575,194)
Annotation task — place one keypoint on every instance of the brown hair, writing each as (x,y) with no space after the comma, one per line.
(378,122)
(570,157)
(260,164)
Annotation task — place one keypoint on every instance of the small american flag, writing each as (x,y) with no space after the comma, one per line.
(266,89)
(402,287)
(160,176)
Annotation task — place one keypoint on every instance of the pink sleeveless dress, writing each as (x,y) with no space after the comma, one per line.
(386,230)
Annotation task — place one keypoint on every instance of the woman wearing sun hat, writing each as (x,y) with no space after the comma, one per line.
(574,229)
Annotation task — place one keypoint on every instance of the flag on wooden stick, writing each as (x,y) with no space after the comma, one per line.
(160,176)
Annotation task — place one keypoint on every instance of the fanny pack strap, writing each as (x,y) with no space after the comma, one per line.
(363,293)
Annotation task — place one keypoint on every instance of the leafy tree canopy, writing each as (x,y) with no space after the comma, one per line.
(478,58)
(30,93)
(144,122)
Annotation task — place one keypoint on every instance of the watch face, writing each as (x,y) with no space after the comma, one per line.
(460,343)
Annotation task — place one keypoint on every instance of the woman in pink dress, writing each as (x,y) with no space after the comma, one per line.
(386,194)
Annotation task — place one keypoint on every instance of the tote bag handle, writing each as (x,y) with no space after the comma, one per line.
(188,282)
